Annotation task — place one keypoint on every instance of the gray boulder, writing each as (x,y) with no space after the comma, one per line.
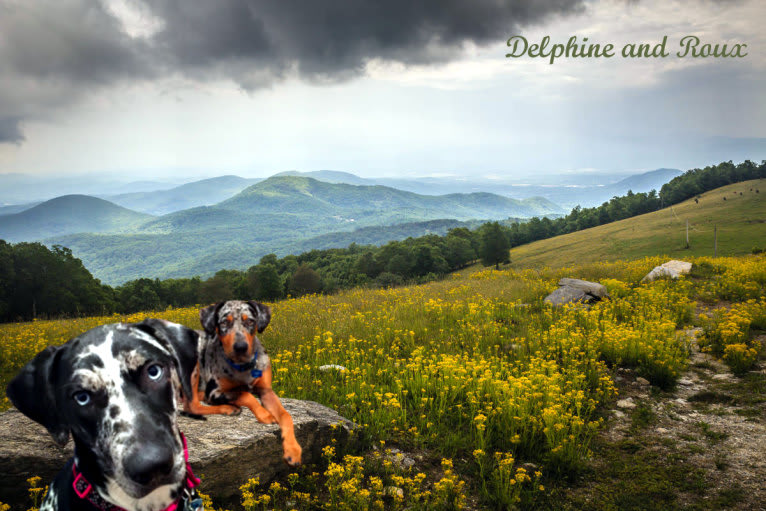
(672,269)
(224,451)
(576,291)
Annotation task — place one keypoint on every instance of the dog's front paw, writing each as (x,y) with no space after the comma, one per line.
(264,416)
(293,454)
(231,409)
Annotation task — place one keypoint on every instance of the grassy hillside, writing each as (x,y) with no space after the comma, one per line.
(740,218)
(69,214)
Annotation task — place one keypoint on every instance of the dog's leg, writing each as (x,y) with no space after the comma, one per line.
(271,402)
(261,413)
(195,406)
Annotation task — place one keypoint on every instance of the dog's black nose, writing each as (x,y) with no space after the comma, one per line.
(240,347)
(149,462)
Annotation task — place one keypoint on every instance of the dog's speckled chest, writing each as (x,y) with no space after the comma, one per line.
(213,366)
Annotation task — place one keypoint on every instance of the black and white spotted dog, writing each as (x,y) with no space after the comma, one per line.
(114,389)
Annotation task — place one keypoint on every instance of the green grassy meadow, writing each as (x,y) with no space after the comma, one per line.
(740,220)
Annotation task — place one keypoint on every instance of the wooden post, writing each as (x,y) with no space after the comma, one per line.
(715,241)
(687,233)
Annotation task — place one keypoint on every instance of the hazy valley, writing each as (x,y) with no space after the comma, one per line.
(200,227)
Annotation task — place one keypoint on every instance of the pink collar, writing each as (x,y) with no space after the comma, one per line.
(84,489)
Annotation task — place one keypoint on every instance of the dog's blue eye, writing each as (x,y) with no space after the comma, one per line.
(82,397)
(154,372)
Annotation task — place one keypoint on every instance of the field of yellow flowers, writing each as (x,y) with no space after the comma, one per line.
(474,370)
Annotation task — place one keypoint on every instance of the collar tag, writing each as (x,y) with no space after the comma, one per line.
(81,486)
(194,505)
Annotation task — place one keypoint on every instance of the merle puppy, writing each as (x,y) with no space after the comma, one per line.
(114,390)
(234,368)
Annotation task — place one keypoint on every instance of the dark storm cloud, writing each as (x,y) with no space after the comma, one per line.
(54,51)
(66,41)
(334,38)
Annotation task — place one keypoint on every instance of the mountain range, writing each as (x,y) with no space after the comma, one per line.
(230,221)
(583,190)
(280,214)
(19,192)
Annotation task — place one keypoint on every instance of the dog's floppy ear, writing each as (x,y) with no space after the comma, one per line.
(182,343)
(32,391)
(262,315)
(208,316)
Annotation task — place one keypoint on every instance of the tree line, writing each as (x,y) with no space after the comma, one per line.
(36,281)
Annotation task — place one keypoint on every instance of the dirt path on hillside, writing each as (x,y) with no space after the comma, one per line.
(701,446)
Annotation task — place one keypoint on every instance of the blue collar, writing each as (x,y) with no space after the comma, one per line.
(248,366)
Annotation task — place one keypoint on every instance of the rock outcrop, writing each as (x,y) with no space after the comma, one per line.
(576,291)
(224,451)
(672,269)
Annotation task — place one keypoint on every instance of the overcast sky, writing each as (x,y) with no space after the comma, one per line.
(172,89)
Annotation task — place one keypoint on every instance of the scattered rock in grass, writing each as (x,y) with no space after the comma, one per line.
(686,382)
(398,458)
(642,381)
(662,431)
(723,377)
(576,291)
(672,269)
(626,403)
(531,468)
(705,359)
